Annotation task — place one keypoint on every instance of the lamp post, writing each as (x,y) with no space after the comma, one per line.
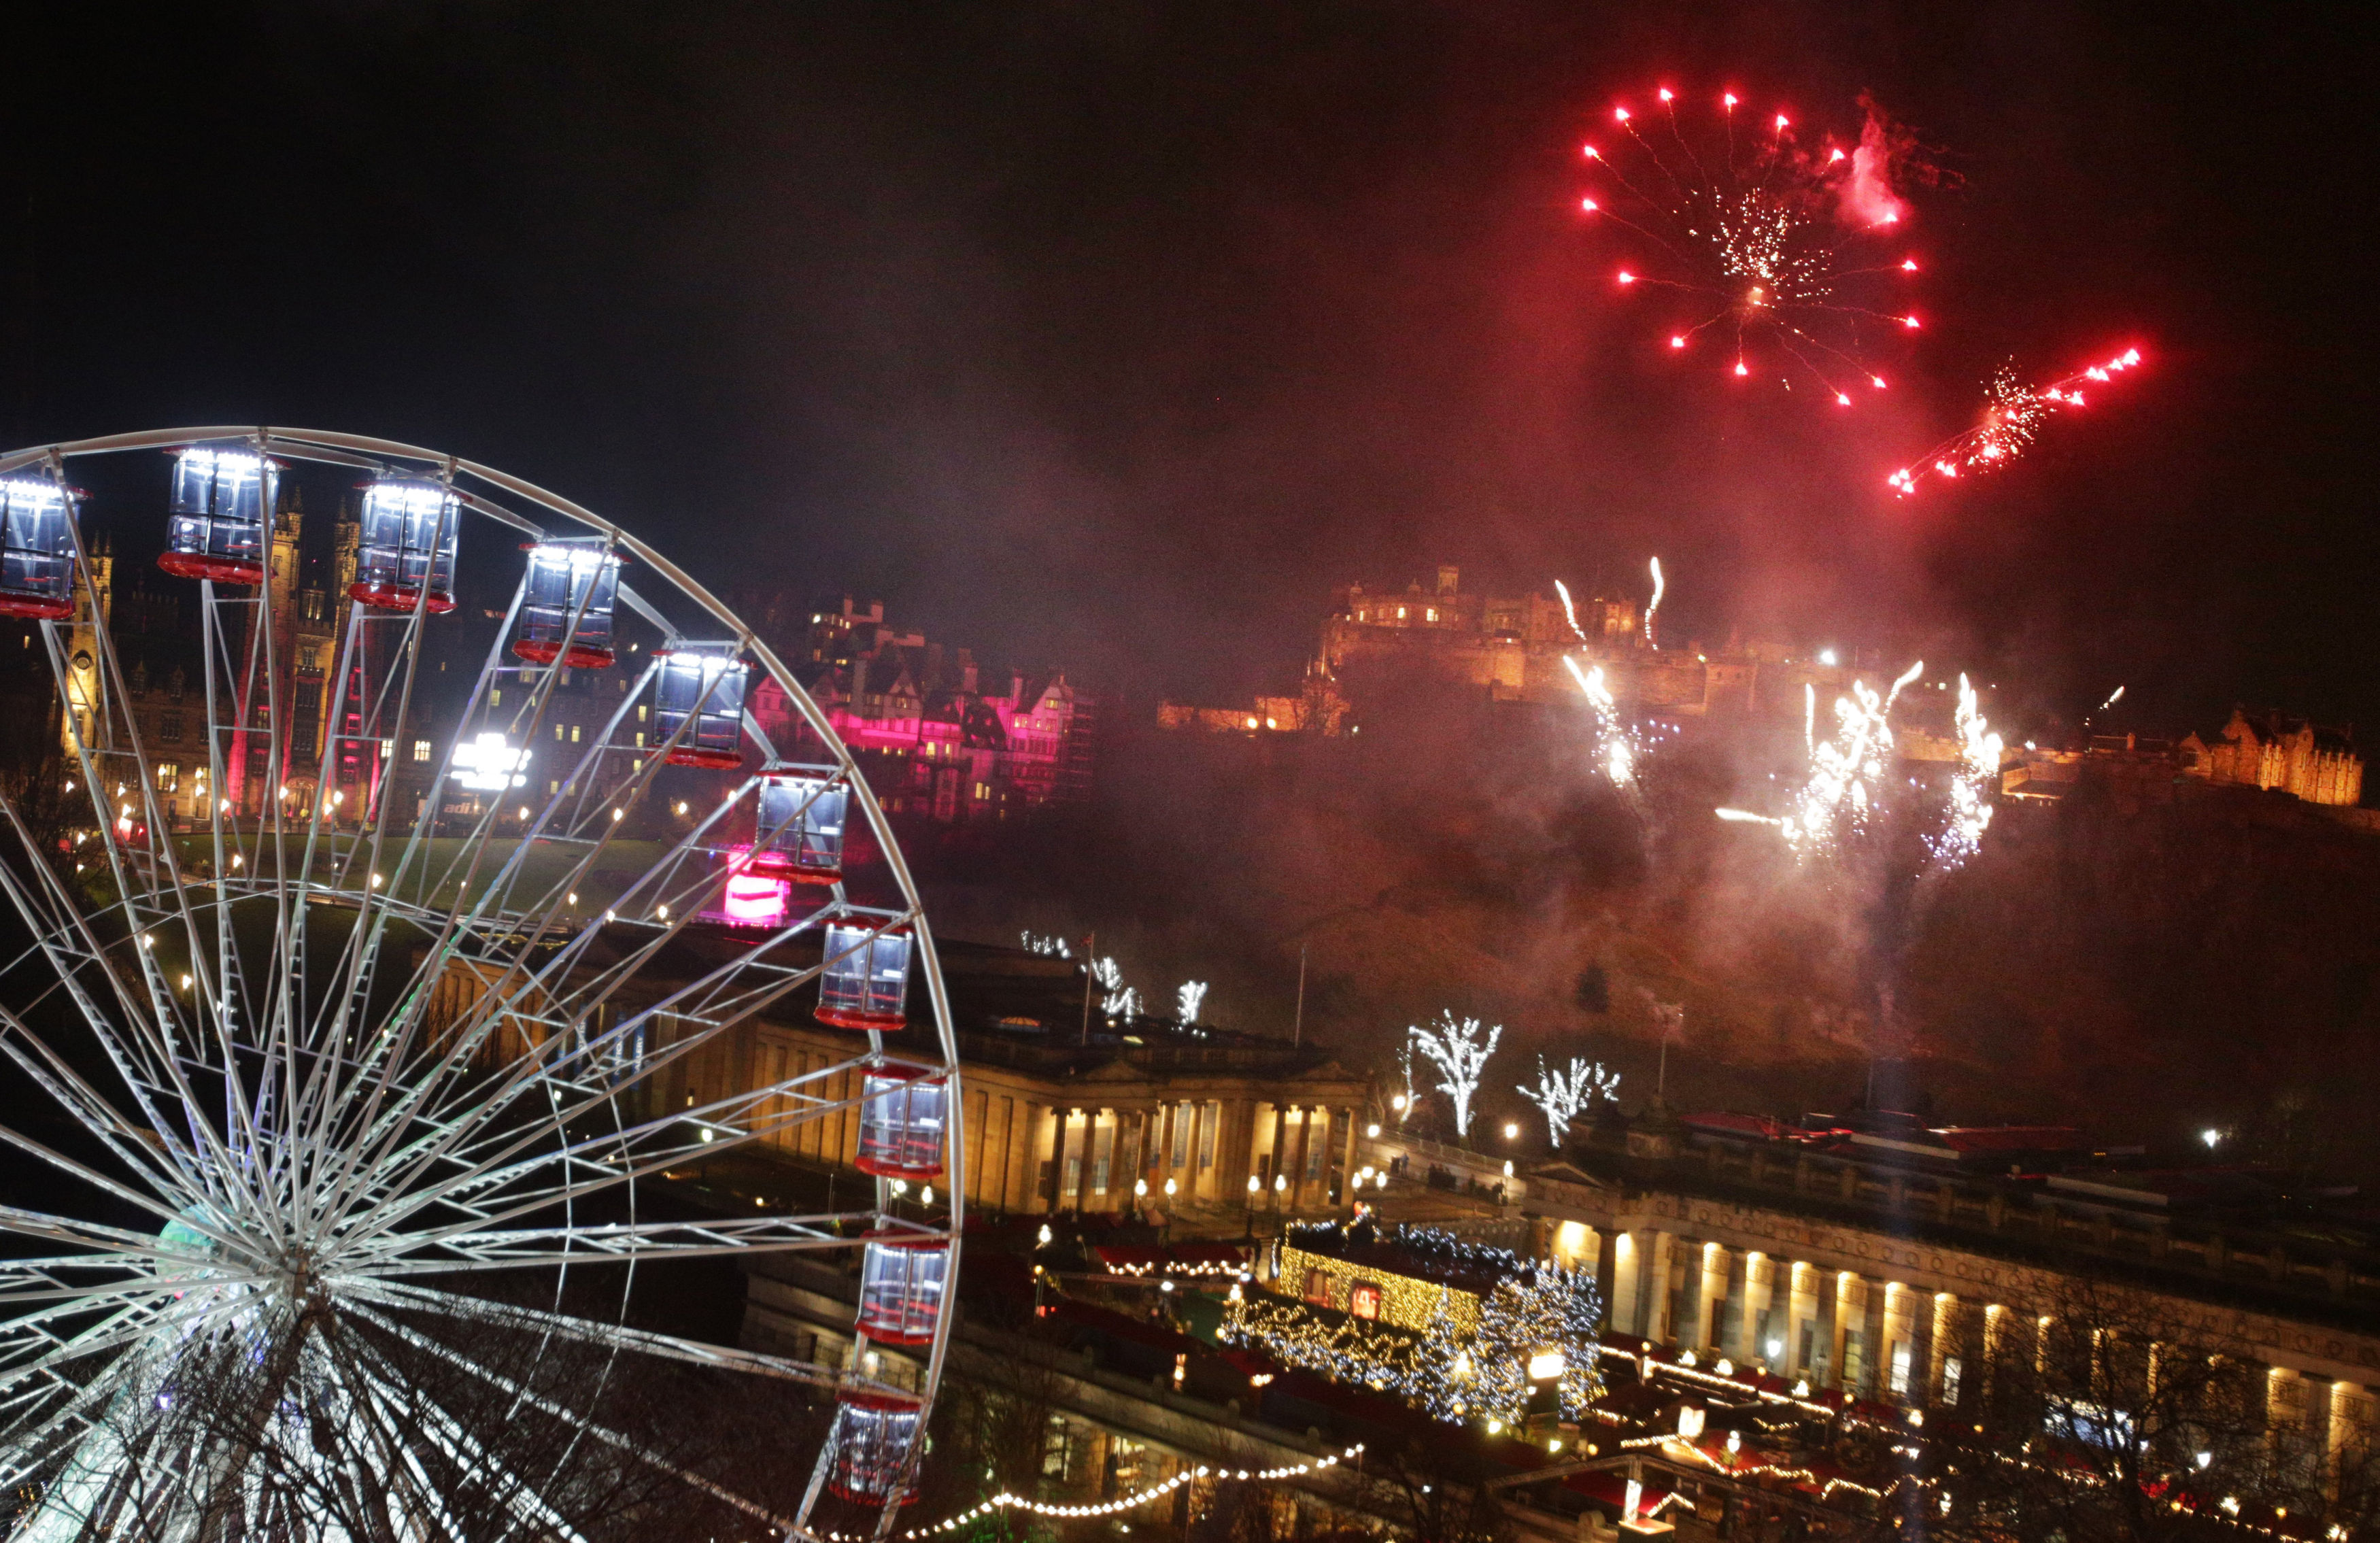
(1249,1231)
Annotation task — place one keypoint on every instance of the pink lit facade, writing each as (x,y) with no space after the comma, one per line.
(937,739)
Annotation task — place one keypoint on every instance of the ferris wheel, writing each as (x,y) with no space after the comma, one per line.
(355,1016)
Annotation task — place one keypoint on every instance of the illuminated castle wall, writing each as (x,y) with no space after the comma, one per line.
(1511,649)
(2290,755)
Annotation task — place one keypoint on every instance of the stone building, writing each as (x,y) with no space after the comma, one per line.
(1065,1111)
(1512,648)
(1898,1270)
(2270,751)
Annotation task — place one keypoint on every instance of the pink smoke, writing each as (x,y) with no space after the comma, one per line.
(1866,194)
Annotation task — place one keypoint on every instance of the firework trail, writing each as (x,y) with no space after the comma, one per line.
(2014,414)
(1617,742)
(1774,250)
(1653,606)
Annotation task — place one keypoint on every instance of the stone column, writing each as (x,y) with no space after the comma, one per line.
(1657,1304)
(2284,1412)
(1897,1372)
(1044,1134)
(1850,1317)
(2350,1437)
(1274,1194)
(1347,1158)
(1627,1253)
(1709,1295)
(1300,1149)
(1942,1349)
(1801,1317)
(1759,1287)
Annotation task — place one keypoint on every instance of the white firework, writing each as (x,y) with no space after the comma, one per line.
(1969,812)
(1188,998)
(311,1060)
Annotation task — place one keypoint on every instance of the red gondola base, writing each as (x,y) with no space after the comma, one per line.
(580,656)
(397,597)
(883,1169)
(710,760)
(222,570)
(836,1017)
(776,865)
(35,608)
(854,1493)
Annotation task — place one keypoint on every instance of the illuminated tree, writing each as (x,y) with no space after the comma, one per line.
(1562,1094)
(1456,1048)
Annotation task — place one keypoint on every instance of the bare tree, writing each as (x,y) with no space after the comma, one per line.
(373,1425)
(2110,1414)
(1460,1055)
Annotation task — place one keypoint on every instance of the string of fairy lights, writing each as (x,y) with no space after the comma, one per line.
(1007,1501)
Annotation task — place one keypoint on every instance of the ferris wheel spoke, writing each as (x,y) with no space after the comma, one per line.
(186,1173)
(552,1407)
(483,1248)
(375,1390)
(489,1189)
(404,1293)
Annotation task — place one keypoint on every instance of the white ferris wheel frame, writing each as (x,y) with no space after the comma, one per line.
(481,1240)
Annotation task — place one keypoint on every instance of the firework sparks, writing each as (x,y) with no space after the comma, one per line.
(1766,246)
(2014,414)
(1653,606)
(1847,774)
(1618,745)
(1846,770)
(1970,811)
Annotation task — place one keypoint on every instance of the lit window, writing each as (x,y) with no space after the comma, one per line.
(640,739)
(1365,1301)
(565,677)
(169,776)
(574,733)
(421,751)
(495,698)
(641,707)
(557,734)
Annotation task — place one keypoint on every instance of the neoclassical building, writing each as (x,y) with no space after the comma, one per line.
(1066,1111)
(1900,1283)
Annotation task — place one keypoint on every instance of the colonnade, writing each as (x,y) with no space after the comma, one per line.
(1031,1155)
(1881,1334)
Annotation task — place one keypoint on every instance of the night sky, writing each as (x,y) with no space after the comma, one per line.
(1114,336)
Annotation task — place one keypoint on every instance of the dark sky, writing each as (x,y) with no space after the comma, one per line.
(1114,334)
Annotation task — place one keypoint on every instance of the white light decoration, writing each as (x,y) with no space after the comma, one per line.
(1188,998)
(1563,1094)
(487,764)
(1456,1048)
